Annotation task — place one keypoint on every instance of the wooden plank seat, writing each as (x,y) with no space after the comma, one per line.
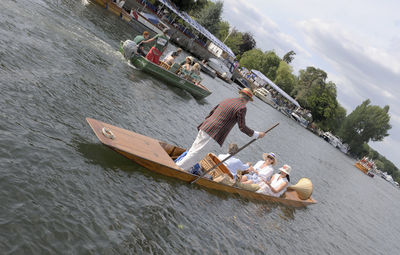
(209,161)
(164,65)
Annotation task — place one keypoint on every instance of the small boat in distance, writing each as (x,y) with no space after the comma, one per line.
(159,157)
(165,73)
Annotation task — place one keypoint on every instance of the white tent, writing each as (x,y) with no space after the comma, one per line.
(274,86)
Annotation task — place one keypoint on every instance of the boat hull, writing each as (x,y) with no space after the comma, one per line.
(361,167)
(158,157)
(169,77)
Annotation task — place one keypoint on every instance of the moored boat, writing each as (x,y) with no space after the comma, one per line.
(159,157)
(361,167)
(208,70)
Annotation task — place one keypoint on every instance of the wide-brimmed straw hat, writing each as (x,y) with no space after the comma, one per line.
(247,92)
(272,155)
(286,169)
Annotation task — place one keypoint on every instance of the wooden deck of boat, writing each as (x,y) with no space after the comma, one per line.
(156,156)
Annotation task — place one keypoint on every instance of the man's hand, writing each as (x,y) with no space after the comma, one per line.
(261,134)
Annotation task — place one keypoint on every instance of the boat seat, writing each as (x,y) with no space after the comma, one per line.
(209,161)
(164,65)
(175,67)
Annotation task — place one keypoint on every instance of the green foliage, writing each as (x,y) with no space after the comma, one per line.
(190,5)
(223,30)
(315,94)
(321,101)
(284,77)
(265,62)
(288,57)
(367,122)
(248,43)
(307,79)
(334,123)
(210,16)
(237,41)
(234,41)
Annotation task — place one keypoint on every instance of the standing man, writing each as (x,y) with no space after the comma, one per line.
(157,50)
(217,125)
(140,40)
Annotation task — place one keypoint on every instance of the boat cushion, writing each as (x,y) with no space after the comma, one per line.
(247,186)
(224,179)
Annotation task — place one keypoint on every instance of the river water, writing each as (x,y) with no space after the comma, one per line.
(63,192)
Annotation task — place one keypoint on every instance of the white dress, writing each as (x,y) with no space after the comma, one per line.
(263,173)
(265,189)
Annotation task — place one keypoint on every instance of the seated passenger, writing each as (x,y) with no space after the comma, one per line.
(186,66)
(262,170)
(278,184)
(195,73)
(177,52)
(170,60)
(233,164)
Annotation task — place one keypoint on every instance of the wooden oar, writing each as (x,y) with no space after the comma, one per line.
(225,159)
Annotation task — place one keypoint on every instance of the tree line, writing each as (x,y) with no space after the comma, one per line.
(311,87)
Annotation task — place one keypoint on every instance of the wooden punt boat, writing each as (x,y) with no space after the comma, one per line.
(198,91)
(159,157)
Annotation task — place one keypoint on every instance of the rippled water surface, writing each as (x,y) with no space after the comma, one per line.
(63,192)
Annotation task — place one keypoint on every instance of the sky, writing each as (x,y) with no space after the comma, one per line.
(357,43)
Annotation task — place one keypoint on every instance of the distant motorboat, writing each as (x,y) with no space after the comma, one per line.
(265,96)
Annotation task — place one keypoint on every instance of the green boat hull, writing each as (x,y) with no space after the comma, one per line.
(169,77)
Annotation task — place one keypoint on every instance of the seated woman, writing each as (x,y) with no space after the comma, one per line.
(186,66)
(262,170)
(195,74)
(278,184)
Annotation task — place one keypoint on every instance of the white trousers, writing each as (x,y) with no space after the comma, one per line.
(200,147)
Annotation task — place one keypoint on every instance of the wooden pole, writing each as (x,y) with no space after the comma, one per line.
(225,159)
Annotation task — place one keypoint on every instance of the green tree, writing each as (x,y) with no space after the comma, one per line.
(288,57)
(190,6)
(284,77)
(366,123)
(223,30)
(307,79)
(334,123)
(321,101)
(265,62)
(234,41)
(210,16)
(248,43)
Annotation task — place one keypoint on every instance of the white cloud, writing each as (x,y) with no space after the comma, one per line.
(359,51)
(245,17)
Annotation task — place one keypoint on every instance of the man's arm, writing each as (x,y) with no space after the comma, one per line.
(242,126)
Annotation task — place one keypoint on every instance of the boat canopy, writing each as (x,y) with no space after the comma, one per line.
(198,27)
(273,85)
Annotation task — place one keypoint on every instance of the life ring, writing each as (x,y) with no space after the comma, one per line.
(108,133)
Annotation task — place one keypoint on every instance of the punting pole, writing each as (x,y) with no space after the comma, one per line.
(225,159)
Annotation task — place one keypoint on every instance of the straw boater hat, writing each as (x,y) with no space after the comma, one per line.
(286,169)
(247,92)
(271,154)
